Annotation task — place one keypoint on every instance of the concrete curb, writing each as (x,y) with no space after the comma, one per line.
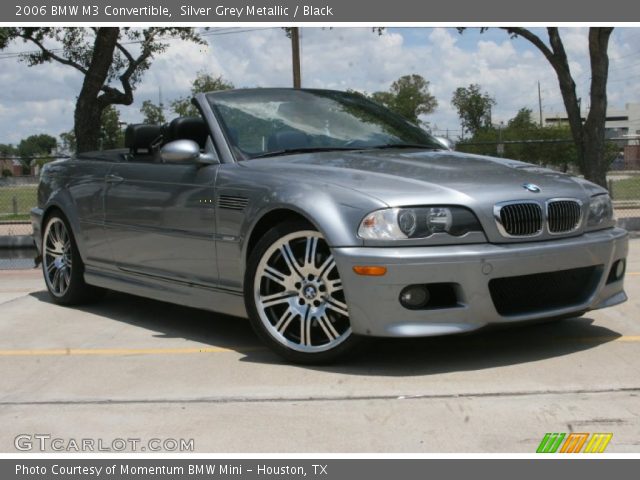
(16,241)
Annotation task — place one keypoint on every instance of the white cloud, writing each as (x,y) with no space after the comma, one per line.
(41,99)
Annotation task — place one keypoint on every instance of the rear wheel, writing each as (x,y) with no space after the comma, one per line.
(294,296)
(62,265)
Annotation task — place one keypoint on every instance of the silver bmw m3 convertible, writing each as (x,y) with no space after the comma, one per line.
(325,218)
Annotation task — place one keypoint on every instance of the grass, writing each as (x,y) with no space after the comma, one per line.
(26,197)
(627,188)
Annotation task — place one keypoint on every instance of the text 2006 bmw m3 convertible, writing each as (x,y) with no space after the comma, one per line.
(325,218)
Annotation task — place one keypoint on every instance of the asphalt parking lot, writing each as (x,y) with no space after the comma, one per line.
(135,368)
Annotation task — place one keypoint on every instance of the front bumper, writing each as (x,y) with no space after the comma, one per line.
(374,306)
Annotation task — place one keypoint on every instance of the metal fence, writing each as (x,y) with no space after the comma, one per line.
(623,179)
(18,195)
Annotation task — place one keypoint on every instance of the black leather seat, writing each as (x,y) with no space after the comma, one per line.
(187,128)
(140,139)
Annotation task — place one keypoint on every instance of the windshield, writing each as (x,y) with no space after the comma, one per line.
(268,122)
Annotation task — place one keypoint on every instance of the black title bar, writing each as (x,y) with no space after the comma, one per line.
(322,11)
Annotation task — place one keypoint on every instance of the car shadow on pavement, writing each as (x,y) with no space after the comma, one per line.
(483,349)
(479,350)
(168,320)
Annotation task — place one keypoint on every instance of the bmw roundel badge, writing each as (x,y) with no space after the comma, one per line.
(531,187)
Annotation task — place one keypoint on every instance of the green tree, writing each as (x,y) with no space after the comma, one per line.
(104,56)
(204,82)
(593,153)
(152,113)
(68,142)
(7,150)
(111,134)
(523,120)
(32,147)
(474,108)
(408,96)
(525,140)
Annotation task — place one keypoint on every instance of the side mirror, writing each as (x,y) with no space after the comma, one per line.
(186,151)
(180,151)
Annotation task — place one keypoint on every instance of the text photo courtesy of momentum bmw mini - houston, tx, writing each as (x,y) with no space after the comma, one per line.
(288,238)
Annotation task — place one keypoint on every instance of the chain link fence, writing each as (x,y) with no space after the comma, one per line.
(18,195)
(623,178)
(624,187)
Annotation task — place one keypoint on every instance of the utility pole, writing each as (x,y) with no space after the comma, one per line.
(295,57)
(540,102)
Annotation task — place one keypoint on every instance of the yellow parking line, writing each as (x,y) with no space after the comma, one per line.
(122,351)
(194,350)
(633,273)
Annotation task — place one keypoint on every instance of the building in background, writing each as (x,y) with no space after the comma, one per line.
(622,126)
(10,167)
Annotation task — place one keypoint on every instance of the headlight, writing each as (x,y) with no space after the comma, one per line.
(417,222)
(600,211)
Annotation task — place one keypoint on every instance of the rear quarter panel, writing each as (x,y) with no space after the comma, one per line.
(76,187)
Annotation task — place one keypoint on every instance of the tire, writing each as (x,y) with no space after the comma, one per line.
(62,265)
(293,282)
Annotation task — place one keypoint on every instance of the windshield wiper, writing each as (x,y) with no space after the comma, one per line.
(293,151)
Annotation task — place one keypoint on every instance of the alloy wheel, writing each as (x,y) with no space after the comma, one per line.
(299,296)
(57,257)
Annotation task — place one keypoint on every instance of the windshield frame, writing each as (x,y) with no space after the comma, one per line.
(237,153)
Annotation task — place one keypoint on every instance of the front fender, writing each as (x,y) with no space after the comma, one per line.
(334,210)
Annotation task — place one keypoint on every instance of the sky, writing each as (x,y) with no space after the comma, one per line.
(41,99)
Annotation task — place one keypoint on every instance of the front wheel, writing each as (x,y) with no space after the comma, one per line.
(294,296)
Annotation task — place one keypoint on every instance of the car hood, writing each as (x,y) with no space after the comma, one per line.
(408,177)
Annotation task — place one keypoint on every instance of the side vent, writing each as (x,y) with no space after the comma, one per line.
(232,202)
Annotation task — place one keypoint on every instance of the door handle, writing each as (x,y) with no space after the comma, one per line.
(113,178)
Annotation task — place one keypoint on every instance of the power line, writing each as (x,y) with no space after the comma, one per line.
(629,55)
(230,31)
(618,67)
(615,80)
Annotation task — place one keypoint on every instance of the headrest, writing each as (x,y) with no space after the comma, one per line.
(287,139)
(188,128)
(140,136)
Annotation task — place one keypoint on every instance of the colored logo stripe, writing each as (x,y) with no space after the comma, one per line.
(598,442)
(574,443)
(550,443)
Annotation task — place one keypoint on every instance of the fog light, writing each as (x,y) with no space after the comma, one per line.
(414,296)
(620,268)
(617,271)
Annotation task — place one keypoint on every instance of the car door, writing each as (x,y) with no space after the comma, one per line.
(160,219)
